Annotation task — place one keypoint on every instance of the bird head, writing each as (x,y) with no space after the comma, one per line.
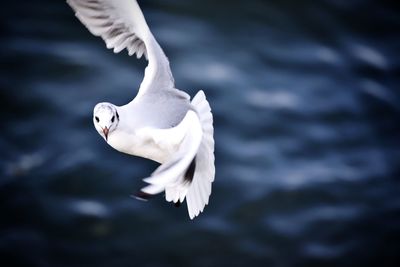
(105,119)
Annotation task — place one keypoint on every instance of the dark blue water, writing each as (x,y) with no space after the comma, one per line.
(306,102)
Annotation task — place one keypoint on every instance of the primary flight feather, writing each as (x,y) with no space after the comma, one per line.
(160,123)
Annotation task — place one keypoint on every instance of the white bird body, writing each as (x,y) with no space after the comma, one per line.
(160,123)
(157,135)
(148,142)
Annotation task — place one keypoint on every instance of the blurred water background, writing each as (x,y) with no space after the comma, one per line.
(306,102)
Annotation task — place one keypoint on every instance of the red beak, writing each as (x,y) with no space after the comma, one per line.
(105,132)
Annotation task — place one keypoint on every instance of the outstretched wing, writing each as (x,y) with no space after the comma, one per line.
(190,171)
(172,171)
(122,25)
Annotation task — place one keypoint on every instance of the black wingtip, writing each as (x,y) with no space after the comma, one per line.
(142,196)
(189,174)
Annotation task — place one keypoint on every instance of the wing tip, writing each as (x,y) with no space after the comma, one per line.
(142,196)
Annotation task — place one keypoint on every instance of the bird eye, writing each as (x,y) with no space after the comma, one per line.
(112,119)
(97,119)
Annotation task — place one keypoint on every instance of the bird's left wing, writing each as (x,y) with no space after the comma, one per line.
(122,25)
(172,171)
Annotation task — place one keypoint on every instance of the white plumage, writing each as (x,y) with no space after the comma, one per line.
(160,123)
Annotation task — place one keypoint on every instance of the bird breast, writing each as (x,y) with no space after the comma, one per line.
(143,144)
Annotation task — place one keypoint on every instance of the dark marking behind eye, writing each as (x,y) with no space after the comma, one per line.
(117,114)
(97,119)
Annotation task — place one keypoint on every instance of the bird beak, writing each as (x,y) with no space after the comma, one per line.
(105,132)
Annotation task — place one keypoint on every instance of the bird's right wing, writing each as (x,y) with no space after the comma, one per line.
(122,25)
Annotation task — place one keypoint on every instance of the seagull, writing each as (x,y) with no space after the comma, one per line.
(161,123)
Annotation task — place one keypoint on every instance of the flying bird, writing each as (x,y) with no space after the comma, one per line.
(161,123)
